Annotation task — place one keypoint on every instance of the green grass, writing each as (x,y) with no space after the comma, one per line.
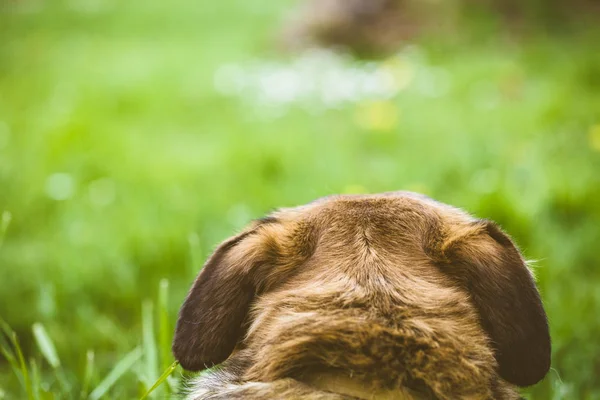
(121,167)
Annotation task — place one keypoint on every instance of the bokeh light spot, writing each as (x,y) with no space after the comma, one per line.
(397,73)
(377,116)
(60,186)
(316,79)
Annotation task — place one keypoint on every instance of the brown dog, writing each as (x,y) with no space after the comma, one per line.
(390,296)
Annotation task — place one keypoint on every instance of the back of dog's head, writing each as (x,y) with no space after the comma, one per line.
(389,257)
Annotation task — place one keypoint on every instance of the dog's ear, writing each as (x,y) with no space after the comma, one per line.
(487,263)
(211,318)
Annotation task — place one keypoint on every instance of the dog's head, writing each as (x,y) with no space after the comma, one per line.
(373,242)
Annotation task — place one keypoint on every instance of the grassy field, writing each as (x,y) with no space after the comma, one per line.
(136,135)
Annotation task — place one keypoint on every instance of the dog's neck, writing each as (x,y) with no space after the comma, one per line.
(340,383)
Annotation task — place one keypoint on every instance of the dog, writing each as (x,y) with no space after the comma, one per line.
(387,296)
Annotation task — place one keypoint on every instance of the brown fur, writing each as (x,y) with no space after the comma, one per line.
(382,296)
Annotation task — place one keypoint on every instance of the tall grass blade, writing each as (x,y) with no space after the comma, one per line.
(122,367)
(7,352)
(149,343)
(161,379)
(45,345)
(87,376)
(17,356)
(35,379)
(48,350)
(6,349)
(164,326)
(23,365)
(5,328)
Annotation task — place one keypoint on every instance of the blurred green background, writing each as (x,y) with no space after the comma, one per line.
(136,135)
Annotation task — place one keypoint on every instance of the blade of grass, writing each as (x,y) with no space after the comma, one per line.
(164,327)
(149,343)
(89,371)
(5,328)
(48,350)
(7,352)
(35,378)
(124,365)
(161,379)
(11,359)
(45,345)
(18,356)
(23,365)
(6,349)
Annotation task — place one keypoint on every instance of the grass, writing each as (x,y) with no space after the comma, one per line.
(122,165)
(37,388)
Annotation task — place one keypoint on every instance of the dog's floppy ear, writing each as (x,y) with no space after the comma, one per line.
(488,264)
(211,318)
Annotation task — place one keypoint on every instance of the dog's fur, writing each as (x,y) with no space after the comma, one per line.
(390,296)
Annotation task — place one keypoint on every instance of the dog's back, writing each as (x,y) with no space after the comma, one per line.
(389,296)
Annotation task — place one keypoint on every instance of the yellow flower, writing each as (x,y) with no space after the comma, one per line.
(594,137)
(377,115)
